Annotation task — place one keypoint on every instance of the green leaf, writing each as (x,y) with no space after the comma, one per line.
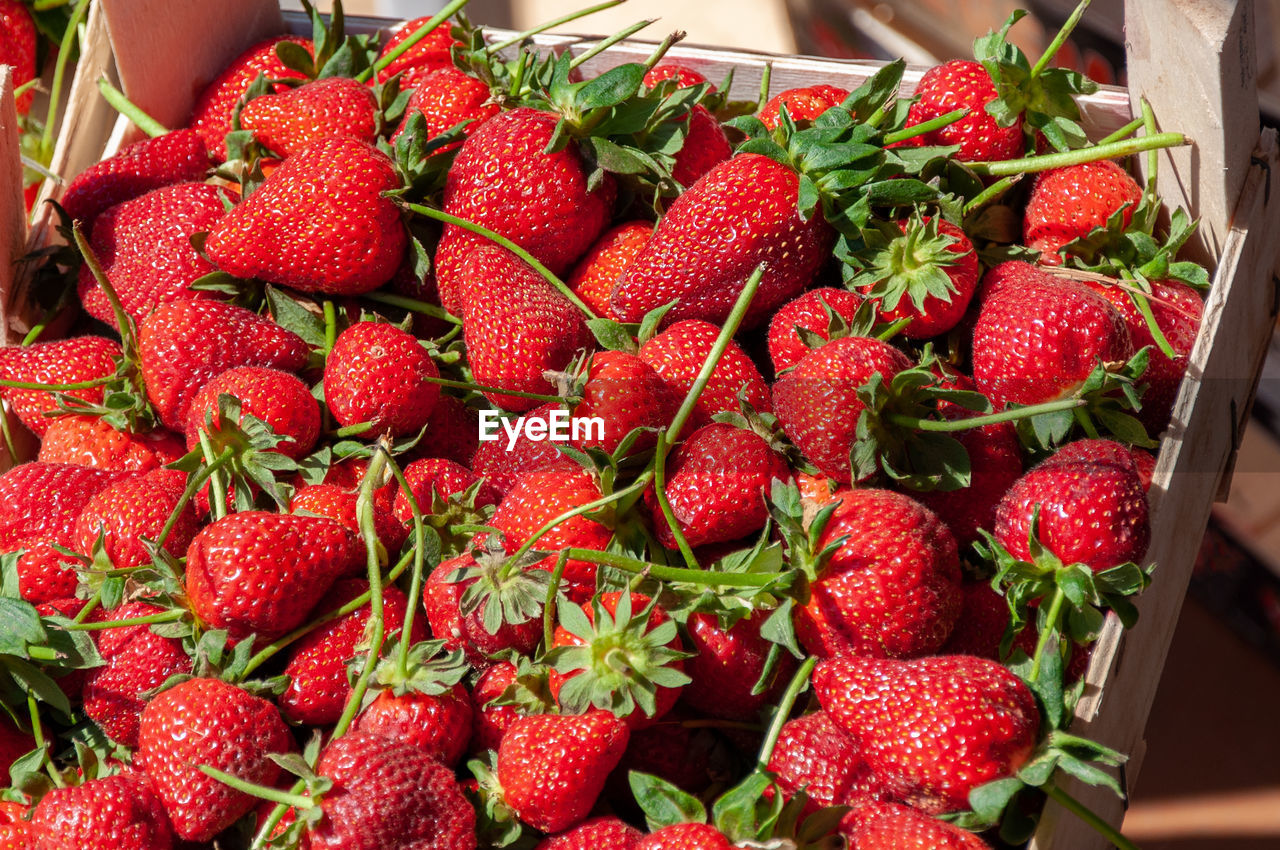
(296,58)
(875,92)
(734,812)
(664,804)
(9,579)
(292,316)
(613,336)
(610,88)
(20,627)
(989,800)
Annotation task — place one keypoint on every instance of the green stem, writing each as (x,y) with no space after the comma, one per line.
(1153,162)
(415,577)
(47,316)
(26,87)
(1050,629)
(37,732)
(1143,304)
(89,607)
(43,653)
(481,388)
(798,683)
(659,490)
(923,127)
(330,325)
(404,46)
(765,79)
(990,193)
(58,388)
(192,488)
(60,71)
(46,5)
(1093,153)
(1071,804)
(124,324)
(165,617)
(262,792)
(947,426)
(9,445)
(467,528)
(1123,133)
(549,605)
(413,305)
(130,110)
(1059,39)
(499,239)
(636,486)
(703,578)
(353,430)
(217,487)
(605,43)
(552,24)
(894,329)
(1086,424)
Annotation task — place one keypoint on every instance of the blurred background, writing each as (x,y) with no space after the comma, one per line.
(1211,775)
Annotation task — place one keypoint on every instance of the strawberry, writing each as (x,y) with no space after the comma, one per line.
(182,345)
(891,588)
(436,478)
(18,47)
(144,246)
(208,722)
(137,661)
(816,755)
(1038,337)
(740,214)
(489,722)
(685,836)
(625,393)
(677,354)
(318,223)
(817,402)
(910,718)
(133,509)
(14,743)
(109,813)
(63,361)
(142,167)
(92,441)
(279,399)
(257,572)
(446,97)
(333,106)
(380,374)
(686,757)
(593,277)
(552,767)
(503,179)
(964,84)
(716,484)
(442,599)
(339,503)
(705,146)
(516,326)
(803,104)
(439,724)
(684,76)
(318,687)
(453,431)
(1067,203)
(502,463)
(389,796)
(602,833)
(808,312)
(726,665)
(1092,508)
(211,115)
(432,51)
(20,835)
(891,826)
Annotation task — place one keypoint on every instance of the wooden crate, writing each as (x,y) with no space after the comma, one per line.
(1204,86)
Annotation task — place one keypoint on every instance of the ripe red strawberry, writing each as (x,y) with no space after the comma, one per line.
(435,477)
(672,751)
(432,51)
(816,755)
(786,348)
(891,826)
(685,836)
(438,724)
(90,441)
(727,664)
(20,835)
(318,223)
(803,104)
(501,462)
(489,722)
(258,572)
(817,401)
(18,47)
(677,354)
(208,722)
(625,393)
(63,361)
(891,589)
(705,146)
(339,503)
(333,106)
(184,344)
(911,717)
(137,662)
(134,508)
(378,373)
(602,833)
(319,687)
(716,484)
(741,213)
(1038,337)
(1067,203)
(516,326)
(211,115)
(964,84)
(176,157)
(110,813)
(14,743)
(504,179)
(684,76)
(442,600)
(453,431)
(389,796)
(279,399)
(552,767)
(447,97)
(144,246)
(593,277)
(1093,509)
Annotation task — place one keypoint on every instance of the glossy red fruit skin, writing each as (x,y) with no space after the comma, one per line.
(378,373)
(593,277)
(817,401)
(911,717)
(438,724)
(504,180)
(18,47)
(488,722)
(553,767)
(625,393)
(339,503)
(1067,203)
(144,246)
(937,316)
(1093,509)
(705,147)
(964,84)
(207,721)
(280,399)
(442,599)
(211,115)
(431,477)
(684,76)
(891,589)
(179,156)
(786,349)
(184,344)
(132,509)
(63,361)
(318,223)
(602,833)
(1037,338)
(389,796)
(89,441)
(685,836)
(740,214)
(332,106)
(429,53)
(717,484)
(677,354)
(447,97)
(258,572)
(453,432)
(803,104)
(995,457)
(726,666)
(502,464)
(816,755)
(110,813)
(892,826)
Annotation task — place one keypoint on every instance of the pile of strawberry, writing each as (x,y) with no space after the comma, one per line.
(862,388)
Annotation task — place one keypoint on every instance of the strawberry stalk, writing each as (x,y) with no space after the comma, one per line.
(1052,621)
(635,487)
(123,322)
(1071,804)
(923,127)
(57,388)
(605,43)
(1093,153)
(1011,415)
(163,617)
(59,72)
(1060,39)
(353,430)
(262,792)
(130,110)
(9,446)
(330,325)
(217,483)
(404,46)
(552,24)
(413,305)
(1124,132)
(661,572)
(991,193)
(37,732)
(659,491)
(481,388)
(549,606)
(415,576)
(799,682)
(193,487)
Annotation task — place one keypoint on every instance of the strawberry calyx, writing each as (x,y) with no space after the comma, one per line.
(504,590)
(530,691)
(336,54)
(497,824)
(429,670)
(906,262)
(1132,252)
